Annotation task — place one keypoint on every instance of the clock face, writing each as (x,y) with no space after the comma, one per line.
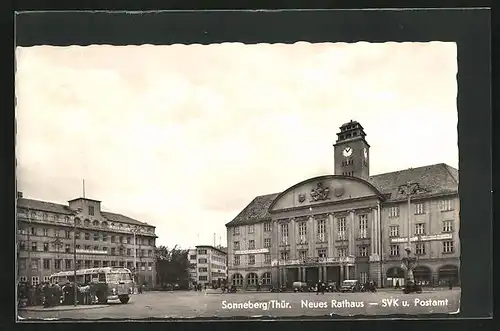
(347,151)
(365,151)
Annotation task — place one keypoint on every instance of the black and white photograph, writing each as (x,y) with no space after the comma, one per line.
(232,179)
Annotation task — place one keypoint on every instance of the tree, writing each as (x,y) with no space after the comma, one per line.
(172,266)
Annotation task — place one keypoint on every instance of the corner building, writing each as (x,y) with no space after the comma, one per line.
(350,225)
(207,265)
(47,237)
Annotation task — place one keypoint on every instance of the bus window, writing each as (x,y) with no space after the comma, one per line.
(114,277)
(102,277)
(125,277)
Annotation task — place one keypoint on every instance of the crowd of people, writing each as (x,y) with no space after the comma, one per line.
(50,294)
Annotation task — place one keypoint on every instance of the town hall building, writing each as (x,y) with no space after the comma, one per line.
(350,225)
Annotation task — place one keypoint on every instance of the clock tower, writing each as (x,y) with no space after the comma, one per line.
(351,151)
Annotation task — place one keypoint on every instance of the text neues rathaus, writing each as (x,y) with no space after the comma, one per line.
(350,225)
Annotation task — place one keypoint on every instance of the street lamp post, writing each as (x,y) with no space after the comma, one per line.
(409,261)
(75,290)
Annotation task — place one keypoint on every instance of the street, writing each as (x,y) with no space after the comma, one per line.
(251,304)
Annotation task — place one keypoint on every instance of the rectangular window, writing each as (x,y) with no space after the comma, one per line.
(91,210)
(251,244)
(341,227)
(97,263)
(251,228)
(22,245)
(267,242)
(203,269)
(87,236)
(236,245)
(284,233)
(448,246)
(446,205)
(192,257)
(302,232)
(45,247)
(67,264)
(57,264)
(394,231)
(45,232)
(363,226)
(394,250)
(251,259)
(67,248)
(203,278)
(267,258)
(236,231)
(34,246)
(420,228)
(267,227)
(57,233)
(448,226)
(202,260)
(113,264)
(236,260)
(302,255)
(363,277)
(68,234)
(113,251)
(96,236)
(321,230)
(23,279)
(150,253)
(363,251)
(77,235)
(419,209)
(394,211)
(33,231)
(284,255)
(342,251)
(420,249)
(87,247)
(113,239)
(46,264)
(35,280)
(322,252)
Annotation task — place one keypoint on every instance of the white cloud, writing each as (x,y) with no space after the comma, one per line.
(184,137)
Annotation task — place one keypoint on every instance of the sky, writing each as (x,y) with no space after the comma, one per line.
(183,137)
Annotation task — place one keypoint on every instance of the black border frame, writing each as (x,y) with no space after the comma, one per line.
(470,29)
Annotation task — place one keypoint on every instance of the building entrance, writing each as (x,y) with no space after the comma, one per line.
(312,275)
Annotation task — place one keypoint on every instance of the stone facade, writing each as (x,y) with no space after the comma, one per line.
(208,264)
(46,240)
(350,225)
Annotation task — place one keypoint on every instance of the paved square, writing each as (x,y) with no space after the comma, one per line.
(199,304)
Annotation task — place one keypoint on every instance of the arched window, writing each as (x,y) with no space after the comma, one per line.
(104,224)
(237,280)
(422,275)
(447,274)
(266,278)
(86,222)
(78,221)
(252,279)
(95,223)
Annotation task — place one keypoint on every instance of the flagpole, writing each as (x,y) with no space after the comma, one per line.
(84,188)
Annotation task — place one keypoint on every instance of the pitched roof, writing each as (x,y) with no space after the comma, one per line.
(44,206)
(257,210)
(435,179)
(63,209)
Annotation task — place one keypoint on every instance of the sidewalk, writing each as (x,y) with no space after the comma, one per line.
(62,308)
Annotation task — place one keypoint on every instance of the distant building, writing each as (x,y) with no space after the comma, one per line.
(208,264)
(350,225)
(103,239)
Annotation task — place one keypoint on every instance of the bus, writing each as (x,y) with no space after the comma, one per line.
(108,283)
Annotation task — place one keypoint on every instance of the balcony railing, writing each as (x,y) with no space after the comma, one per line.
(314,261)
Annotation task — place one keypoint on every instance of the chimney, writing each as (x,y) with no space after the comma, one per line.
(19,195)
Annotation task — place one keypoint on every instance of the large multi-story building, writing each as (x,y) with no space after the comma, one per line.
(48,234)
(350,225)
(208,264)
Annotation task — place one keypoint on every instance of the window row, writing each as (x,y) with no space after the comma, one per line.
(419,208)
(251,228)
(66,248)
(420,248)
(58,264)
(419,229)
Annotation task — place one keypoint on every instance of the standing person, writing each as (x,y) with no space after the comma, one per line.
(323,286)
(450,285)
(317,287)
